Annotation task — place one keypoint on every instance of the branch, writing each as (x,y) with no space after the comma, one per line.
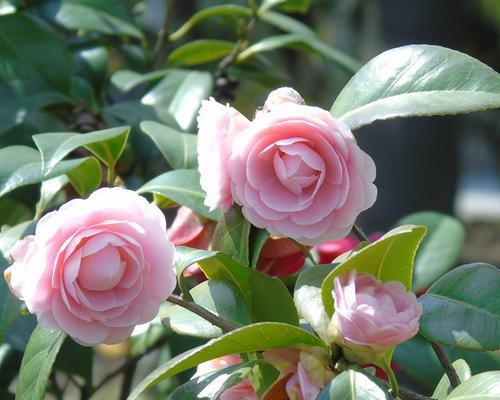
(158,56)
(360,235)
(446,364)
(405,394)
(203,313)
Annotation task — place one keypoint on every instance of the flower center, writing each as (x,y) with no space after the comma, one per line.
(294,171)
(101,270)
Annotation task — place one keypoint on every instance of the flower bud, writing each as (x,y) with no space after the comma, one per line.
(280,257)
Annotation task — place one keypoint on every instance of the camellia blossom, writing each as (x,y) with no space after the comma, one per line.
(95,268)
(371,316)
(294,169)
(280,257)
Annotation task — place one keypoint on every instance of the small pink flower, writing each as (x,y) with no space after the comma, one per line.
(280,257)
(372,316)
(95,268)
(294,169)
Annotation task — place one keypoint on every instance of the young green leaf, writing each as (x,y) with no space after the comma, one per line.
(417,80)
(444,387)
(232,234)
(36,366)
(483,386)
(183,187)
(256,337)
(462,309)
(199,51)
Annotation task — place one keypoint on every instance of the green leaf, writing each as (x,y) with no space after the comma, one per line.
(440,249)
(389,259)
(87,177)
(308,300)
(253,286)
(200,51)
(212,385)
(36,366)
(231,235)
(256,337)
(286,23)
(10,307)
(48,191)
(417,80)
(300,42)
(444,386)
(88,15)
(107,145)
(484,386)
(29,49)
(226,10)
(352,384)
(462,309)
(183,187)
(221,298)
(300,6)
(177,97)
(126,80)
(178,148)
(22,165)
(258,238)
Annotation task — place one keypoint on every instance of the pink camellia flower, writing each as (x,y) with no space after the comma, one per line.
(302,373)
(371,316)
(280,257)
(95,268)
(294,169)
(243,390)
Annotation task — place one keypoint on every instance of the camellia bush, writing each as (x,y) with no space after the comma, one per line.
(261,280)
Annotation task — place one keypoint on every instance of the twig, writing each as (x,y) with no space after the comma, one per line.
(203,313)
(158,56)
(360,235)
(446,364)
(127,379)
(405,394)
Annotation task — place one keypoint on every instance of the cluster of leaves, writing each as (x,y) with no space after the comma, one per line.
(73,66)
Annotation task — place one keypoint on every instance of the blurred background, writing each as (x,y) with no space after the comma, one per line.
(448,164)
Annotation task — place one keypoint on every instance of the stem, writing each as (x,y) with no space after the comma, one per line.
(360,235)
(393,381)
(158,56)
(306,251)
(111,175)
(446,364)
(405,394)
(203,313)
(127,379)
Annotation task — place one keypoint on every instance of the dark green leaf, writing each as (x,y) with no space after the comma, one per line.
(86,177)
(107,145)
(462,309)
(440,249)
(389,258)
(178,148)
(183,187)
(484,386)
(258,237)
(221,298)
(29,49)
(199,51)
(36,366)
(417,80)
(126,80)
(444,386)
(256,337)
(353,384)
(232,234)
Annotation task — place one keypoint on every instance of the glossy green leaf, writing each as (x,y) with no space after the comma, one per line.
(183,187)
(87,177)
(36,366)
(31,55)
(48,191)
(212,385)
(221,298)
(126,80)
(107,145)
(440,249)
(308,300)
(177,97)
(253,286)
(88,15)
(389,258)
(300,6)
(417,80)
(444,388)
(10,307)
(298,41)
(256,337)
(22,165)
(199,51)
(232,234)
(485,386)
(178,148)
(462,309)
(258,238)
(356,385)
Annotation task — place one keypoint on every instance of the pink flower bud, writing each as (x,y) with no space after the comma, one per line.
(280,257)
(371,316)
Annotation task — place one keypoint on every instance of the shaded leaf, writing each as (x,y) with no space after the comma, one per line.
(199,51)
(126,80)
(231,235)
